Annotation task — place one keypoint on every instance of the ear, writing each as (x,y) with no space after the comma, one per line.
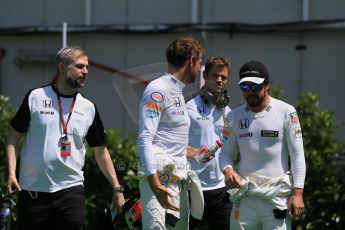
(190,61)
(204,75)
(268,85)
(61,67)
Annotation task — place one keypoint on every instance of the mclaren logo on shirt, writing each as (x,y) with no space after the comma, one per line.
(47,103)
(243,123)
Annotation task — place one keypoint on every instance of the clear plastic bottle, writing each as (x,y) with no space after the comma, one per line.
(4,217)
(5,212)
(208,151)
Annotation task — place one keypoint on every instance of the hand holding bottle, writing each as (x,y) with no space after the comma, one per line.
(207,153)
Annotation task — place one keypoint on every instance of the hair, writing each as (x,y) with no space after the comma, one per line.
(181,49)
(217,61)
(64,55)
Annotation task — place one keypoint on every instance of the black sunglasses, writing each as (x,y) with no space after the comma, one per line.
(254,87)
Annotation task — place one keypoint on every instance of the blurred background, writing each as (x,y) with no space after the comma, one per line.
(302,43)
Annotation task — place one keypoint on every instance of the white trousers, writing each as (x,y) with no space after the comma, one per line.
(254,213)
(153,214)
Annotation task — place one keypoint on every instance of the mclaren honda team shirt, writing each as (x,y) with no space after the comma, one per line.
(42,168)
(163,122)
(207,126)
(266,140)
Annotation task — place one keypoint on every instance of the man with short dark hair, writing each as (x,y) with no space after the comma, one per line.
(267,131)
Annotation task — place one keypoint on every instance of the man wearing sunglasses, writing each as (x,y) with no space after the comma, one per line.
(268,134)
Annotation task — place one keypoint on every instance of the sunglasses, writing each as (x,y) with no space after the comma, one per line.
(254,87)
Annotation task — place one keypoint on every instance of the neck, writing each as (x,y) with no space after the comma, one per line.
(178,73)
(63,88)
(262,106)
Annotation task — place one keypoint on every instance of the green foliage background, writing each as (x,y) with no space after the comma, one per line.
(324,193)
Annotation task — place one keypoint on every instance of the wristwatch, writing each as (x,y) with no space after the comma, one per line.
(119,189)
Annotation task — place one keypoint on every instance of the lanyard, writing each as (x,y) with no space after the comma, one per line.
(64,125)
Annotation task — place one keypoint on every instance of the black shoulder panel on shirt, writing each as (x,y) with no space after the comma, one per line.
(21,120)
(96,135)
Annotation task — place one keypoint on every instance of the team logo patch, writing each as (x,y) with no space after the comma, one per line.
(47,112)
(201,109)
(177,102)
(153,110)
(154,106)
(269,133)
(243,123)
(203,118)
(151,113)
(294,117)
(297,132)
(47,103)
(157,97)
(249,134)
(173,80)
(177,113)
(226,134)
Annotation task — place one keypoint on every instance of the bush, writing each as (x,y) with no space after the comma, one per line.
(324,192)
(98,190)
(6,114)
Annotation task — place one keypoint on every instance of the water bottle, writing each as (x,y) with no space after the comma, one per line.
(207,152)
(5,212)
(5,216)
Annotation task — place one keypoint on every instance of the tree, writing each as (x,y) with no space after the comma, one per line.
(324,192)
(98,191)
(6,114)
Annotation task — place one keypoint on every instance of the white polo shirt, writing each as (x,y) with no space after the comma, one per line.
(207,124)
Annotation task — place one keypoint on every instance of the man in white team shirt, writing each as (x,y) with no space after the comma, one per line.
(57,121)
(268,133)
(164,123)
(207,111)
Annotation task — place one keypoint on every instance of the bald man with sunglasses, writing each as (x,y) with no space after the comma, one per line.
(267,132)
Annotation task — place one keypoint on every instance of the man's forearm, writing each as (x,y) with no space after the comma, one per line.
(11,151)
(11,160)
(106,165)
(153,181)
